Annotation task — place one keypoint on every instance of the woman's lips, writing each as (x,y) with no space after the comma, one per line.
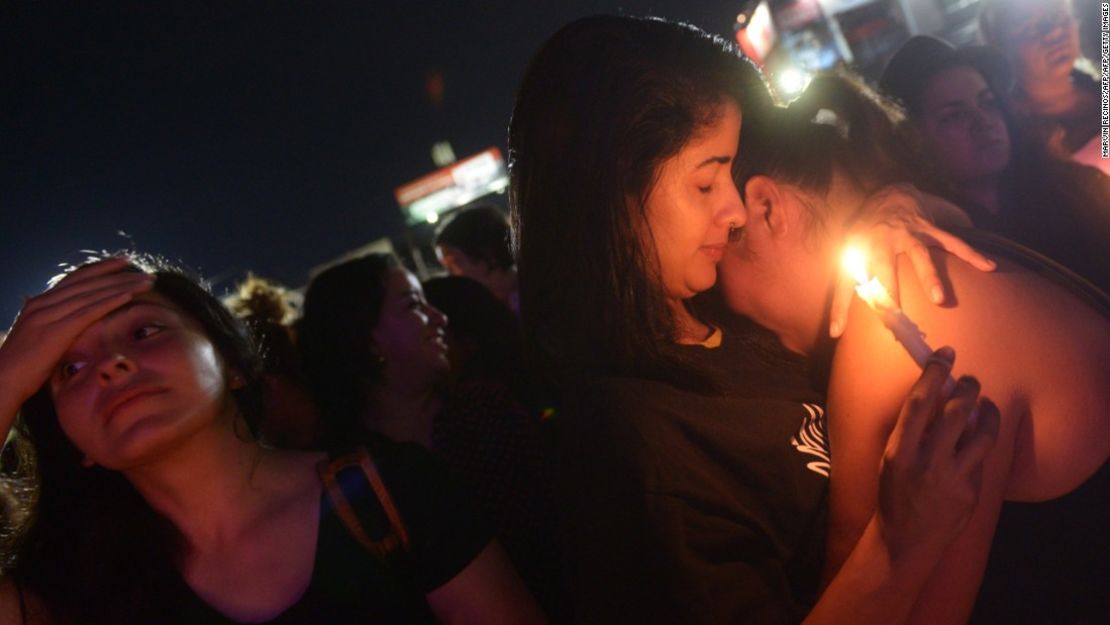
(125,397)
(715,251)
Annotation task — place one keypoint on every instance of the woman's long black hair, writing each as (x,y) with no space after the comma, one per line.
(603,104)
(334,339)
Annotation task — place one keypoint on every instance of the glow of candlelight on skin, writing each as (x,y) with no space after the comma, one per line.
(871,291)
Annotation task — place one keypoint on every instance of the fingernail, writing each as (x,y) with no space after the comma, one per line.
(937,294)
(968,382)
(834,328)
(944,356)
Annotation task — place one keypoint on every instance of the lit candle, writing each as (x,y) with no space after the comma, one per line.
(905,331)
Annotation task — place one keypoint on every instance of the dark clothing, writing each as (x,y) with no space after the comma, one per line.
(494,445)
(1058,208)
(687,508)
(996,246)
(349,585)
(1050,561)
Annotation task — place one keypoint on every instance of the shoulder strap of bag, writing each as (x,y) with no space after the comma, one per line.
(355,476)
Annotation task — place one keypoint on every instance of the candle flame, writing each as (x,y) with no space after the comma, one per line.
(872,292)
(855,263)
(869,289)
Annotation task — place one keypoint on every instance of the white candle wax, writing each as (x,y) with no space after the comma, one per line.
(904,329)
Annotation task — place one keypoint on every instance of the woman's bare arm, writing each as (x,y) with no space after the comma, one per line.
(928,488)
(20,607)
(488,590)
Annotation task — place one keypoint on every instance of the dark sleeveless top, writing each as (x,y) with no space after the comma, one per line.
(1050,561)
(350,586)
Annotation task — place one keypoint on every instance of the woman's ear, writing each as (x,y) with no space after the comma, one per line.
(764,198)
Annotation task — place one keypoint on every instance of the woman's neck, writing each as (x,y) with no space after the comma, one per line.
(403,415)
(689,330)
(209,486)
(1052,97)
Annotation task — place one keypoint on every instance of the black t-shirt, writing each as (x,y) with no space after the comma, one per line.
(349,585)
(1050,561)
(687,508)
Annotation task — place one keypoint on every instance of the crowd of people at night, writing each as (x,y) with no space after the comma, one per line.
(646,393)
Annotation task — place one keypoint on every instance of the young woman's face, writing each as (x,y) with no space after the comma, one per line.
(410,333)
(692,204)
(1042,38)
(779,271)
(138,382)
(963,125)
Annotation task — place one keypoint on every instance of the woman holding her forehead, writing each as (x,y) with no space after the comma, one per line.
(151,501)
(689,495)
(1038,340)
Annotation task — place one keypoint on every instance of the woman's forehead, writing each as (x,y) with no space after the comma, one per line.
(149,302)
(953,82)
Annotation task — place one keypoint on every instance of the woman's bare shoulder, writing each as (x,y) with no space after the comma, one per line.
(1041,353)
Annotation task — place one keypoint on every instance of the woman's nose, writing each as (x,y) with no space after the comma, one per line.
(437,317)
(114,366)
(732,211)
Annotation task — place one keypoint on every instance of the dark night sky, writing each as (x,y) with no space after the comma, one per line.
(265,136)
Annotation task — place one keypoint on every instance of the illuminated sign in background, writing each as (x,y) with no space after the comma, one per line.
(428,197)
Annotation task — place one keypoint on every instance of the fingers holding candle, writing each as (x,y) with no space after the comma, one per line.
(930,475)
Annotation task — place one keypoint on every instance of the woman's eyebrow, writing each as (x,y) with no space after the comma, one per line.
(124,309)
(721,160)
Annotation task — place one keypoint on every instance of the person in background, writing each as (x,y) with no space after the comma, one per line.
(1040,38)
(374,351)
(474,243)
(684,499)
(973,153)
(375,354)
(490,433)
(134,395)
(290,413)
